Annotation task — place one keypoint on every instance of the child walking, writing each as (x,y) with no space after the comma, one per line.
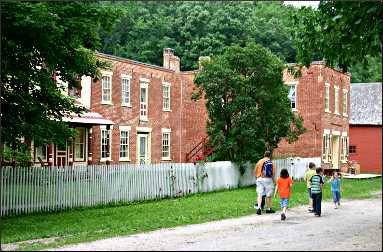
(284,184)
(316,191)
(335,188)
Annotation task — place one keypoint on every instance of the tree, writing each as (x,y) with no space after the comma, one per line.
(40,40)
(196,29)
(247,103)
(343,32)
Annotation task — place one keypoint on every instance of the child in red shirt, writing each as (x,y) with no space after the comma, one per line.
(284,184)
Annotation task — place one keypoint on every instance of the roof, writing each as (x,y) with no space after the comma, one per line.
(88,118)
(366,103)
(133,62)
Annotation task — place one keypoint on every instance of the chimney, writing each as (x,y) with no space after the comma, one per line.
(201,59)
(170,60)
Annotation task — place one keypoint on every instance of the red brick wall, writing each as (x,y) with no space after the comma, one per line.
(368,142)
(311,106)
(185,114)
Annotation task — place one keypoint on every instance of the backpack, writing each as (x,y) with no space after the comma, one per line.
(267,168)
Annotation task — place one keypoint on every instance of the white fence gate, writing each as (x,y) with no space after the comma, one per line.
(40,189)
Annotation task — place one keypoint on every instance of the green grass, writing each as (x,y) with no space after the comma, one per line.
(91,224)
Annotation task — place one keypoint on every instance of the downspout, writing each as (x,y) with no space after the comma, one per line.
(180,129)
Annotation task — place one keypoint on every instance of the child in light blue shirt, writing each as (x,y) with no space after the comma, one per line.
(335,188)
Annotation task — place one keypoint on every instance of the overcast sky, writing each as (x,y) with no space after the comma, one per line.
(298,4)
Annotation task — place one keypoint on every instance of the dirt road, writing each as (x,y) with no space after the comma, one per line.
(356,225)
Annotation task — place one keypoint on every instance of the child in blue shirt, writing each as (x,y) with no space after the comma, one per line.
(335,188)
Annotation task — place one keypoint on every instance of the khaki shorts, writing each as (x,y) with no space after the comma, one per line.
(265,185)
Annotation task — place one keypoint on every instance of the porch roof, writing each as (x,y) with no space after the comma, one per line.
(88,118)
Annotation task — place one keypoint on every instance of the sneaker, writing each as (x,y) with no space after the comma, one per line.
(283,216)
(259,212)
(335,207)
(270,211)
(311,210)
(317,215)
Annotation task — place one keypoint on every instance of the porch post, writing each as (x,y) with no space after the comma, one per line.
(108,144)
(50,155)
(70,150)
(90,149)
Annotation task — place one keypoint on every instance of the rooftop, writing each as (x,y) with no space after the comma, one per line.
(366,103)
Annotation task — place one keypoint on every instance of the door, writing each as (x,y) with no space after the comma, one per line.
(61,155)
(143,148)
(335,152)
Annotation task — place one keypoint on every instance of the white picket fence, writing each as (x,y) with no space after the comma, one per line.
(42,189)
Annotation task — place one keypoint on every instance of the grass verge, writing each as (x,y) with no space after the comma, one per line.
(83,225)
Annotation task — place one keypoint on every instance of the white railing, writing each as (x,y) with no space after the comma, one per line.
(41,189)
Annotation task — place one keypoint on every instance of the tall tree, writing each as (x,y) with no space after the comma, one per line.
(344,32)
(247,103)
(38,41)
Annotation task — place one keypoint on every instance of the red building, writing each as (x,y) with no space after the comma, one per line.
(366,126)
(139,113)
(142,113)
(321,97)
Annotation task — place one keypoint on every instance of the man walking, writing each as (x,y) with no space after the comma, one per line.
(264,172)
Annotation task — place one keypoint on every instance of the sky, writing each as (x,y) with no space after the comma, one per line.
(298,4)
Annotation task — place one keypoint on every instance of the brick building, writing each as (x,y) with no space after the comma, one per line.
(321,97)
(366,126)
(142,113)
(139,113)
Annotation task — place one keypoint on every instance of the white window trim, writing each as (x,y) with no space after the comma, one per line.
(144,83)
(125,76)
(168,131)
(336,102)
(326,132)
(103,127)
(345,91)
(336,133)
(166,84)
(108,74)
(290,83)
(125,128)
(144,129)
(327,85)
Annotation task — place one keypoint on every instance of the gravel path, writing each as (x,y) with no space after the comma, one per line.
(356,225)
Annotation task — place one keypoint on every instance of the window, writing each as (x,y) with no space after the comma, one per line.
(345,102)
(326,151)
(79,145)
(292,96)
(107,89)
(166,144)
(124,143)
(105,140)
(42,152)
(125,90)
(336,100)
(143,100)
(166,96)
(327,97)
(352,149)
(344,153)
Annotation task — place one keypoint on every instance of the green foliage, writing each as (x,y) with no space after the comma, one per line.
(196,29)
(344,33)
(21,155)
(372,72)
(247,103)
(40,39)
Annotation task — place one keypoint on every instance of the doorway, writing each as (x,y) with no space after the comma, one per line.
(143,150)
(335,152)
(61,155)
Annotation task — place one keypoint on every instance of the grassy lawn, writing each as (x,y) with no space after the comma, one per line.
(91,224)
